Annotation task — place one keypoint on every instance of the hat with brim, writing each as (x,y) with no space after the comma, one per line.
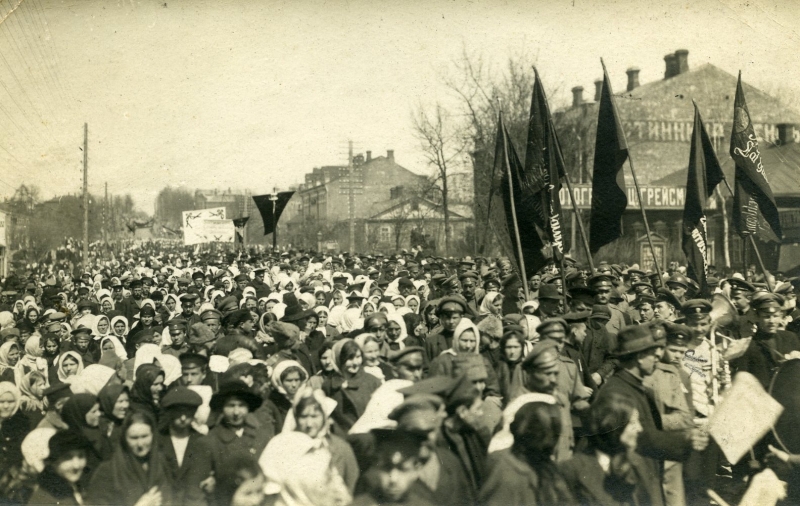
(635,338)
(295,312)
(235,389)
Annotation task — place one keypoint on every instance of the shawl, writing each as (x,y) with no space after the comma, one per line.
(145,377)
(62,376)
(5,349)
(487,307)
(29,401)
(280,367)
(108,398)
(6,387)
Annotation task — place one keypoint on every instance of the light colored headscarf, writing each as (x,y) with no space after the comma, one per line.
(350,320)
(486,305)
(60,363)
(32,359)
(5,349)
(308,299)
(119,349)
(281,366)
(96,331)
(504,438)
(92,379)
(326,403)
(6,387)
(171,366)
(145,355)
(464,325)
(419,303)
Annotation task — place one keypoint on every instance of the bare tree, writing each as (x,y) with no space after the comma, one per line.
(443,143)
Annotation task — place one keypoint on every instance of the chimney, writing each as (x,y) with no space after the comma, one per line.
(577,96)
(369,156)
(390,155)
(633,78)
(681,61)
(785,133)
(671,70)
(598,89)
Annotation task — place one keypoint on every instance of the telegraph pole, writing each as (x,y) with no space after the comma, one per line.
(85,197)
(351,195)
(105,212)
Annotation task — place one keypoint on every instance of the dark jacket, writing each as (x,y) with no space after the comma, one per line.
(224,441)
(513,482)
(452,487)
(591,485)
(765,353)
(12,432)
(470,447)
(197,466)
(596,349)
(351,397)
(53,489)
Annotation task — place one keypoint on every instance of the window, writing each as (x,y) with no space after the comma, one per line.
(386,233)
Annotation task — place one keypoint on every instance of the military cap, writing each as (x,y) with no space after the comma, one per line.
(740,285)
(462,392)
(677,333)
(228,304)
(57,391)
(600,311)
(436,385)
(452,299)
(136,283)
(241,277)
(601,279)
(177,323)
(664,295)
(642,284)
(85,304)
(549,322)
(198,275)
(210,314)
(544,354)
(469,275)
(415,403)
(183,280)
(637,272)
(491,282)
(340,280)
(577,316)
(678,279)
(237,389)
(235,318)
(181,396)
(451,282)
(550,292)
(189,297)
(260,270)
(695,307)
(147,310)
(283,332)
(57,317)
(395,446)
(9,333)
(766,302)
(82,330)
(644,298)
(582,293)
(81,289)
(785,288)
(199,333)
(395,356)
(354,295)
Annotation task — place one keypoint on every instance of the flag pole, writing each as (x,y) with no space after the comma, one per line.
(641,204)
(752,241)
(513,207)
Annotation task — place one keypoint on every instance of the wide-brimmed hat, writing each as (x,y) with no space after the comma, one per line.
(238,389)
(635,338)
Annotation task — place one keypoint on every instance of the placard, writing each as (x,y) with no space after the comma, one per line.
(193,226)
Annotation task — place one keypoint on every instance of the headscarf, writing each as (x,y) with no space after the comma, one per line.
(309,299)
(92,379)
(5,349)
(75,409)
(504,439)
(96,331)
(32,359)
(60,363)
(333,303)
(108,398)
(119,349)
(145,377)
(29,400)
(145,355)
(7,318)
(486,305)
(280,367)
(336,350)
(326,404)
(6,387)
(350,320)
(419,303)
(172,368)
(279,309)
(364,307)
(335,316)
(464,325)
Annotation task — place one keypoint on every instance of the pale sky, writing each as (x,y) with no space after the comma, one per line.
(252,93)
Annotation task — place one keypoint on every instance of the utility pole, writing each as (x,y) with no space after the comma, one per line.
(105,212)
(246,213)
(85,197)
(351,195)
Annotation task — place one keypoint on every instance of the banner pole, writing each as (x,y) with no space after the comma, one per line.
(514,209)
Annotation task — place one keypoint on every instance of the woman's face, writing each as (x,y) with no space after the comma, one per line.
(292,383)
(432,318)
(368,310)
(371,353)
(170,304)
(51,347)
(235,411)
(320,299)
(413,305)
(269,305)
(7,403)
(108,346)
(337,297)
(631,432)
(147,320)
(64,333)
(157,387)
(310,420)
(121,406)
(93,416)
(139,438)
(157,338)
(107,305)
(38,388)
(251,305)
(262,306)
(13,356)
(326,360)
(33,315)
(323,319)
(497,304)
(119,328)
(467,341)
(70,366)
(102,326)
(289,287)
(513,350)
(71,466)
(311,323)
(420,329)
(250,492)
(352,365)
(398,303)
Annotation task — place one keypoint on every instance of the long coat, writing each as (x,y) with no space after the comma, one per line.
(197,466)
(224,441)
(591,485)
(351,396)
(762,355)
(512,482)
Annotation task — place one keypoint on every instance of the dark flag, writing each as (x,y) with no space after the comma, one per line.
(264,205)
(135,224)
(754,208)
(544,168)
(609,198)
(508,166)
(239,224)
(703,176)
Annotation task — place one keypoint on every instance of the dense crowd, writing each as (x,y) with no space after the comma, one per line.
(164,375)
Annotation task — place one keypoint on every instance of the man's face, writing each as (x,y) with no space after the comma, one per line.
(543,380)
(663,310)
(395,479)
(534,283)
(137,293)
(741,301)
(241,284)
(646,312)
(377,325)
(178,336)
(450,315)
(768,322)
(116,293)
(555,333)
(214,325)
(472,415)
(673,354)
(181,417)
(602,293)
(648,359)
(468,288)
(410,367)
(192,376)
(82,342)
(677,290)
(551,307)
(700,325)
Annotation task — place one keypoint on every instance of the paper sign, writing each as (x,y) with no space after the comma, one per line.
(193,226)
(745,415)
(218,230)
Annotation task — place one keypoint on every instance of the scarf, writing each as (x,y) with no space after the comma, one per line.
(145,377)
(464,325)
(108,398)
(6,387)
(30,402)
(62,376)
(5,349)
(487,307)
(280,367)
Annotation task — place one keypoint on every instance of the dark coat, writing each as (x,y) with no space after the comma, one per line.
(197,466)
(512,482)
(12,432)
(470,447)
(596,349)
(351,397)
(452,487)
(224,441)
(343,460)
(436,343)
(53,489)
(762,356)
(591,485)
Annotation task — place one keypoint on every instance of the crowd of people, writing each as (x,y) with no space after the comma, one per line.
(162,375)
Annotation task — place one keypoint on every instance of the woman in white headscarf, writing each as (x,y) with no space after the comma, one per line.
(350,320)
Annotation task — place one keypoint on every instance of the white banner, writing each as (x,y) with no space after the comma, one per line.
(218,230)
(193,224)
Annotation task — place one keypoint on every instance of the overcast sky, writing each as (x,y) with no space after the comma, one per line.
(255,93)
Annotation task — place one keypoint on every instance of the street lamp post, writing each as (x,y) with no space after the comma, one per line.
(319,240)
